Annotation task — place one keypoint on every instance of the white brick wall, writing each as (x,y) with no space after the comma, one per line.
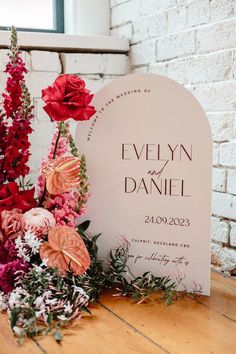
(106,64)
(219,179)
(231,181)
(148,27)
(176,45)
(224,205)
(143,53)
(45,61)
(194,43)
(198,12)
(220,230)
(228,154)
(233,234)
(217,36)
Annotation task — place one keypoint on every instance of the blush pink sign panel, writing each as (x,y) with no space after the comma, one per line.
(149,156)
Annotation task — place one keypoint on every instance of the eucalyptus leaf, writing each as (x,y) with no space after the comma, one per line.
(58,336)
(14,316)
(84,226)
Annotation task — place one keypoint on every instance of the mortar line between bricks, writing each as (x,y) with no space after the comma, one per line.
(187,29)
(212,83)
(185,56)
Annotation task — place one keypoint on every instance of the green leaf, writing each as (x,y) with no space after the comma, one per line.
(48,330)
(96,237)
(58,336)
(84,226)
(50,318)
(14,316)
(146,274)
(86,309)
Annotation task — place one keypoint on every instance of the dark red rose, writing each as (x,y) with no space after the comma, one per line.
(11,197)
(68,98)
(8,274)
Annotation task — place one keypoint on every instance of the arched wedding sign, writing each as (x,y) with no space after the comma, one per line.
(149,156)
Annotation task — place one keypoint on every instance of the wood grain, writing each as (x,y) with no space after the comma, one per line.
(103,333)
(120,326)
(223,295)
(8,343)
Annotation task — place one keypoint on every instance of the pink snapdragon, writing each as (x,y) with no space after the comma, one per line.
(63,207)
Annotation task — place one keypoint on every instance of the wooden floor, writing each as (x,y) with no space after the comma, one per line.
(118,326)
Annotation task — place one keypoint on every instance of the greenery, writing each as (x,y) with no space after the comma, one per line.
(119,276)
(46,287)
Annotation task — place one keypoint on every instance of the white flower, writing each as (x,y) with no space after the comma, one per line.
(14,299)
(62,318)
(38,269)
(68,308)
(3,301)
(80,291)
(44,263)
(27,245)
(18,297)
(22,249)
(39,313)
(32,242)
(39,301)
(47,294)
(18,242)
(51,302)
(17,330)
(22,254)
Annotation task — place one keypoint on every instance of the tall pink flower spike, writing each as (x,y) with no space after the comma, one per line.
(62,174)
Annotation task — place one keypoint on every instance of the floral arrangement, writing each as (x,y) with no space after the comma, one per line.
(49,269)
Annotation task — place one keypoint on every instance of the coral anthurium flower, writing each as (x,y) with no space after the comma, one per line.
(62,174)
(65,250)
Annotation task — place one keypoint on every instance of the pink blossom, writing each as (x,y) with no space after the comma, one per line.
(11,250)
(8,251)
(12,223)
(39,221)
(41,182)
(63,207)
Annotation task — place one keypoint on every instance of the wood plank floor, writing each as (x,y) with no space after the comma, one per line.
(120,326)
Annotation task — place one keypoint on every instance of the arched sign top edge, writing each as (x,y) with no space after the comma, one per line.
(154,76)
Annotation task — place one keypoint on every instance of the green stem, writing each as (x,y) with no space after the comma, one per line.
(61,126)
(58,138)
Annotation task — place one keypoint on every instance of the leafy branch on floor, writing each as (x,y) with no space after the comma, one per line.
(44,301)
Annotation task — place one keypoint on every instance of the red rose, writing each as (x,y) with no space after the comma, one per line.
(68,98)
(11,198)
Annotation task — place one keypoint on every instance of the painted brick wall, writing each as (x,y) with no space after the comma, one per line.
(43,66)
(194,43)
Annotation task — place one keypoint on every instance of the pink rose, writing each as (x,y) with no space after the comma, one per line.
(12,223)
